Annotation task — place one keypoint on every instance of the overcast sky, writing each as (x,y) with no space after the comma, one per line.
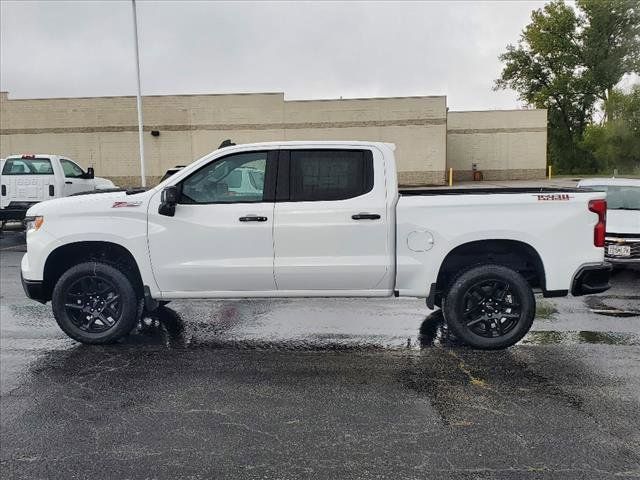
(306,50)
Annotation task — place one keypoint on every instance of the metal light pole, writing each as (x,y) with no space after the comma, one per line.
(143,177)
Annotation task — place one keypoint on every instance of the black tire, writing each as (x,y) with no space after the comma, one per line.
(85,312)
(489,307)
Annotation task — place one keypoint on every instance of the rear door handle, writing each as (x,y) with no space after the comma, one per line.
(253,218)
(68,182)
(366,216)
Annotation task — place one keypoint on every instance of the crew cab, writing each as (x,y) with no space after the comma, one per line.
(28,179)
(622,242)
(322,219)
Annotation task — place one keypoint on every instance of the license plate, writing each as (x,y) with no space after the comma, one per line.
(619,250)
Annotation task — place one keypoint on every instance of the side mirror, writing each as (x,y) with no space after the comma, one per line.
(168,201)
(90,174)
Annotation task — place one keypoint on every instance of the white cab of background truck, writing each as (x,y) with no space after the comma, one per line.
(319,219)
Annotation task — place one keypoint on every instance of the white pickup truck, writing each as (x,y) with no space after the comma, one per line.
(622,242)
(322,219)
(28,179)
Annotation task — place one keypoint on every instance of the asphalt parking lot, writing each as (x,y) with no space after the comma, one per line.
(320,388)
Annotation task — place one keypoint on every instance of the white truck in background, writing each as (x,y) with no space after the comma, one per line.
(319,219)
(28,179)
(622,242)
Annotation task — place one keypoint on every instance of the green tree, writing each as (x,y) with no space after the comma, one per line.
(610,43)
(568,61)
(616,143)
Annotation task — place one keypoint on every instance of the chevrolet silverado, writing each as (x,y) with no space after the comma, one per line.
(316,219)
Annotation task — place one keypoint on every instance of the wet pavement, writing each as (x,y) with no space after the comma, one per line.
(320,388)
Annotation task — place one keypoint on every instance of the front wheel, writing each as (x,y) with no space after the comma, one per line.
(490,307)
(95,303)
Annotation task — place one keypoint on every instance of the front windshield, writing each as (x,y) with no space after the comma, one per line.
(620,197)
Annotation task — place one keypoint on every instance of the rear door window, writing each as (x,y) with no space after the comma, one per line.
(318,175)
(27,166)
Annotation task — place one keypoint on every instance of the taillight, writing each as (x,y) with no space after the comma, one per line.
(599,231)
(51,191)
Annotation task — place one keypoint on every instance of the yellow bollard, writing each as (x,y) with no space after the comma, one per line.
(549,172)
(450,177)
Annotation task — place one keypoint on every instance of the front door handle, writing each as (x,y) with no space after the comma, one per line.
(68,182)
(253,218)
(366,216)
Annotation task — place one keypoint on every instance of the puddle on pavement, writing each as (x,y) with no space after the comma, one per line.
(166,327)
(251,326)
(551,337)
(614,305)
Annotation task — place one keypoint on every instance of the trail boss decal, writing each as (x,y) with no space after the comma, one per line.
(553,197)
(125,204)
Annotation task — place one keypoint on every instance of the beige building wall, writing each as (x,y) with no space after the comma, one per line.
(505,144)
(417,125)
(102,131)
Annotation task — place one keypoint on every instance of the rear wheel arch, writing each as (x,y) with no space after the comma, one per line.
(513,254)
(67,256)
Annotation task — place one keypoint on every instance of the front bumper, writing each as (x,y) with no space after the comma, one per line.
(34,289)
(591,278)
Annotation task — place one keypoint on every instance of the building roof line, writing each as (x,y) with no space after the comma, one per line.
(148,96)
(367,98)
(106,97)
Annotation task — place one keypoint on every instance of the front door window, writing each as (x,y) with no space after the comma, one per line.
(235,179)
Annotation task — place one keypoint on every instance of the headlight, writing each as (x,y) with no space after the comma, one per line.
(33,223)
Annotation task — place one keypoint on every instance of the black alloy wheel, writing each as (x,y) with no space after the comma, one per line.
(93,304)
(489,306)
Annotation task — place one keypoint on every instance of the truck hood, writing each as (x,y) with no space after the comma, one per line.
(623,221)
(99,203)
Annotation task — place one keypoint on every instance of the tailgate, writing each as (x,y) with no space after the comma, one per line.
(26,179)
(25,188)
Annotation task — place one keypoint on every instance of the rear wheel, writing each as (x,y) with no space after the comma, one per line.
(490,307)
(95,303)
